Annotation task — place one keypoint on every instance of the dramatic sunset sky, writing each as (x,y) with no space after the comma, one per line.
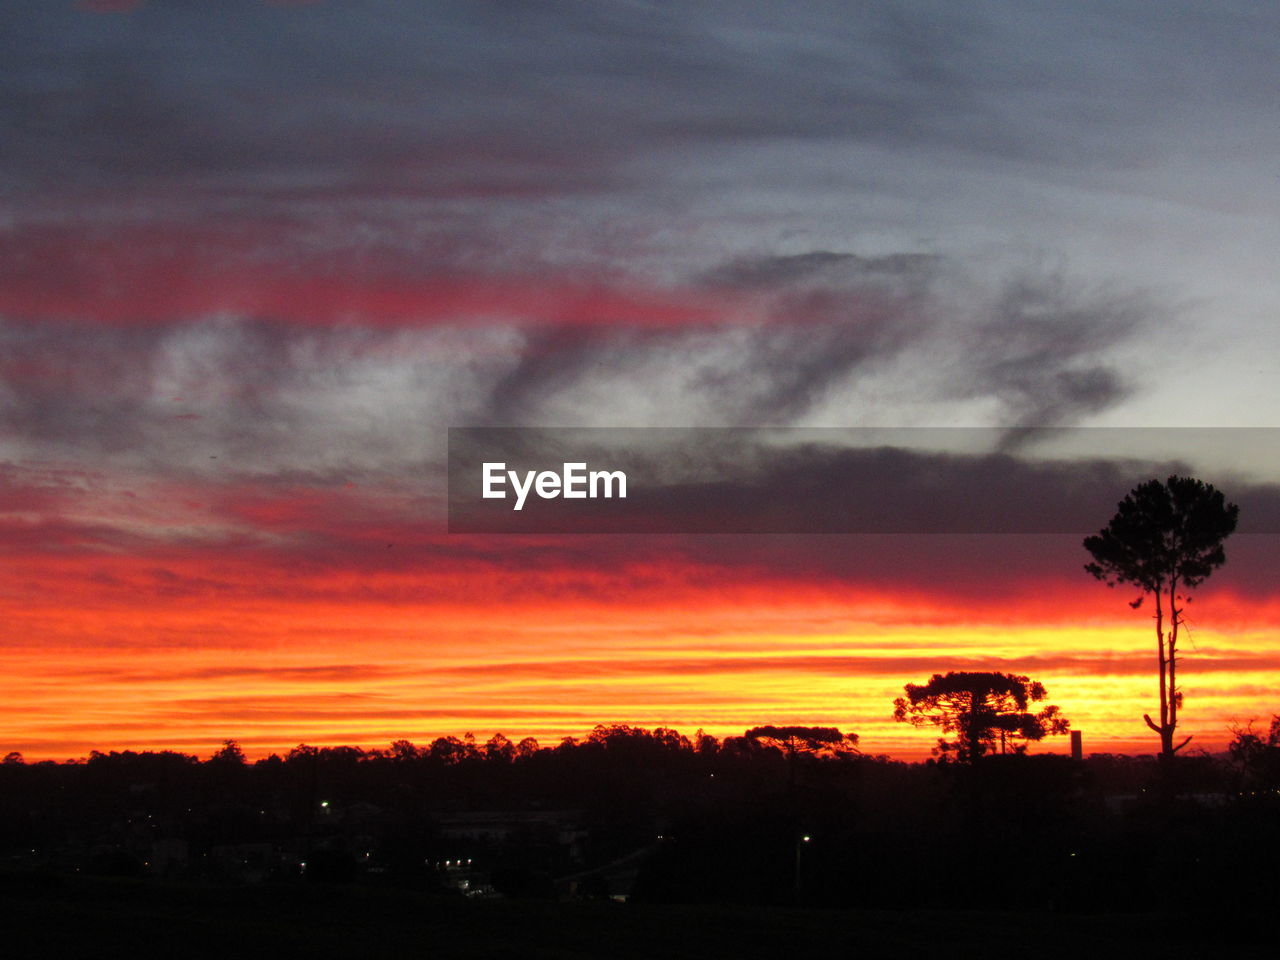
(256,258)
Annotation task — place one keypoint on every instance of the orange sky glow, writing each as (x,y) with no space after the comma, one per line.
(172,650)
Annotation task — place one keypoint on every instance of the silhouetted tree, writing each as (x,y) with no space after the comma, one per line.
(447,750)
(404,750)
(705,744)
(1164,538)
(500,748)
(1256,757)
(230,753)
(983,708)
(794,741)
(623,740)
(470,749)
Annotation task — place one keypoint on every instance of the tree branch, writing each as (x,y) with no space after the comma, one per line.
(1150,724)
(1181,745)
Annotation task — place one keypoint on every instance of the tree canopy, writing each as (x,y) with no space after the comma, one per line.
(1162,534)
(796,740)
(984,709)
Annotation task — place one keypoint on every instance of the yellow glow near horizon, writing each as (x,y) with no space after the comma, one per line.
(278,674)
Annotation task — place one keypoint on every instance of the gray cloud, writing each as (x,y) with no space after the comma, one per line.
(795,326)
(806,325)
(488,99)
(827,315)
(1042,351)
(906,271)
(367,144)
(226,397)
(789,333)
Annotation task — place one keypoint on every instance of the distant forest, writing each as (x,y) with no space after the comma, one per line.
(777,815)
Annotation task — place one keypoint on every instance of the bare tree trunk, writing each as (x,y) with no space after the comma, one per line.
(1166,679)
(1173,664)
(1164,728)
(1167,655)
(975,746)
(1175,695)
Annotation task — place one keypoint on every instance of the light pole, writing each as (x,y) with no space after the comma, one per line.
(800,845)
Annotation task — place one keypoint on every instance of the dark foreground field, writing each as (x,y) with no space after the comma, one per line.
(48,916)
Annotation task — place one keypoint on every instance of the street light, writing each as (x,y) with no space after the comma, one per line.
(804,838)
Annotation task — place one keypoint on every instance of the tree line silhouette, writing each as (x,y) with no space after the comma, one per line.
(704,819)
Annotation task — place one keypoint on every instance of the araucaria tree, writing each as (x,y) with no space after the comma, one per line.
(814,741)
(1164,539)
(983,709)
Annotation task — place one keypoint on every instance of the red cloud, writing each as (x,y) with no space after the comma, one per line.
(155,275)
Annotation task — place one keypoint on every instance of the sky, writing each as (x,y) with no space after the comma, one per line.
(256,258)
